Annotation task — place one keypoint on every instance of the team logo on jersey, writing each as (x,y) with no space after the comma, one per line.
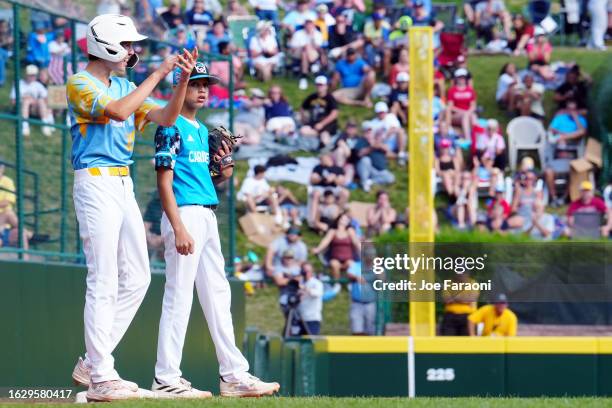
(190,138)
(198,156)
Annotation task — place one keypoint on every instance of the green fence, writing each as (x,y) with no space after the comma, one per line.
(40,165)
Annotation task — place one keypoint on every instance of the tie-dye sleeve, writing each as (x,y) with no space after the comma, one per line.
(167,146)
(140,116)
(85,98)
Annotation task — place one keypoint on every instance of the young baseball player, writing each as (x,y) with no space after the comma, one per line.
(105,111)
(193,250)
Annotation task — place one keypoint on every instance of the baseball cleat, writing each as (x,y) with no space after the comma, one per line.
(182,389)
(251,386)
(108,391)
(81,376)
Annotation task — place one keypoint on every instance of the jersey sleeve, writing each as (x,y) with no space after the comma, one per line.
(140,116)
(85,98)
(477,316)
(167,146)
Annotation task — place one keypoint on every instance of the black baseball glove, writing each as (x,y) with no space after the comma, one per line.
(215,148)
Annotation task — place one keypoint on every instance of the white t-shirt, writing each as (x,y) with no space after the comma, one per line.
(57,48)
(253,187)
(264,4)
(390,121)
(503,83)
(33,89)
(301,38)
(536,105)
(260,44)
(311,305)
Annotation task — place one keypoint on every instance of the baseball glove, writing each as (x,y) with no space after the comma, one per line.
(215,139)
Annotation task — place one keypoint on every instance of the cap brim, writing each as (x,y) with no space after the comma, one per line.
(212,80)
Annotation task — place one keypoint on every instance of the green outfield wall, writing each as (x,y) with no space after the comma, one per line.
(41,315)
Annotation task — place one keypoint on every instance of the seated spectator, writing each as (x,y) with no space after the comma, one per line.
(279,115)
(524,196)
(497,319)
(491,147)
(447,167)
(371,152)
(327,212)
(458,305)
(213,7)
(343,244)
(265,52)
(319,113)
(466,203)
(469,10)
(382,216)
(402,65)
(311,300)
(324,22)
(33,101)
(587,203)
(355,78)
(343,152)
(234,8)
(59,48)
(376,33)
(542,224)
(219,93)
(539,51)
(523,31)
(296,19)
(506,82)
(198,17)
(255,191)
(173,16)
(461,108)
(567,128)
(250,120)
(181,37)
(576,88)
(38,47)
(488,13)
(217,36)
(326,176)
(499,214)
(527,97)
(398,38)
(391,130)
(6,44)
(342,37)
(9,223)
(398,100)
(290,241)
(421,17)
(266,10)
(306,46)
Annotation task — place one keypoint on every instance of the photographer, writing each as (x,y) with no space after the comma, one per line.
(311,296)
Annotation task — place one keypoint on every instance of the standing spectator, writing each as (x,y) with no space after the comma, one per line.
(506,82)
(279,115)
(497,319)
(381,216)
(399,98)
(59,49)
(587,203)
(198,17)
(173,16)
(326,176)
(266,10)
(255,191)
(264,51)
(362,312)
(526,98)
(523,32)
(319,113)
(342,37)
(296,19)
(393,134)
(461,109)
(599,10)
(458,305)
(38,47)
(568,127)
(217,36)
(311,300)
(306,46)
(33,101)
(574,88)
(372,159)
(542,224)
(539,51)
(6,44)
(343,244)
(356,79)
(290,241)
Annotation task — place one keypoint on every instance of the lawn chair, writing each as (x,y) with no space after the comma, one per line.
(586,225)
(241,28)
(525,133)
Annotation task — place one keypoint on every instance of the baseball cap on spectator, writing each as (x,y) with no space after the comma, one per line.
(257,93)
(500,298)
(377,16)
(403,77)
(322,8)
(381,107)
(461,72)
(293,230)
(586,186)
(404,23)
(321,80)
(31,70)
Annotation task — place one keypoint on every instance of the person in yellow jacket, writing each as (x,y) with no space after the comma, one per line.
(498,320)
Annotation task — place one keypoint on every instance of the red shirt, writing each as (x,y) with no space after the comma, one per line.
(503,203)
(595,205)
(462,98)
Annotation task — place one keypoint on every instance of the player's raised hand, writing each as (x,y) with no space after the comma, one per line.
(183,242)
(167,65)
(186,63)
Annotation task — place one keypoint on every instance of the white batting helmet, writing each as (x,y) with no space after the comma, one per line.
(106,32)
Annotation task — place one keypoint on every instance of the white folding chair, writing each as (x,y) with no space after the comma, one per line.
(525,133)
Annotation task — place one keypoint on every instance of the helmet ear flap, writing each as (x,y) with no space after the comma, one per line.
(132,61)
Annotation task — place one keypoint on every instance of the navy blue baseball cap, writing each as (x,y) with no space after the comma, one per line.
(199,71)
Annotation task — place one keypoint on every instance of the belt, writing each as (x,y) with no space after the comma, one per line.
(110,171)
(209,206)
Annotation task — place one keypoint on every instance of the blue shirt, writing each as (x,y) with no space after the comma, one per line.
(564,123)
(351,74)
(362,292)
(97,140)
(38,53)
(184,149)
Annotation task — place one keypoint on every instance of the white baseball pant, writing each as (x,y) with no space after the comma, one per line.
(118,273)
(205,268)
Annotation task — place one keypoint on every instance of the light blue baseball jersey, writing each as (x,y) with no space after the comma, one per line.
(184,149)
(97,140)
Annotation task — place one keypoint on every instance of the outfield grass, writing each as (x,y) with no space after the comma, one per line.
(366,402)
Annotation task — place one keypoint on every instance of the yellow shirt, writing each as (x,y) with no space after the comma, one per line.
(494,325)
(7,184)
(461,304)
